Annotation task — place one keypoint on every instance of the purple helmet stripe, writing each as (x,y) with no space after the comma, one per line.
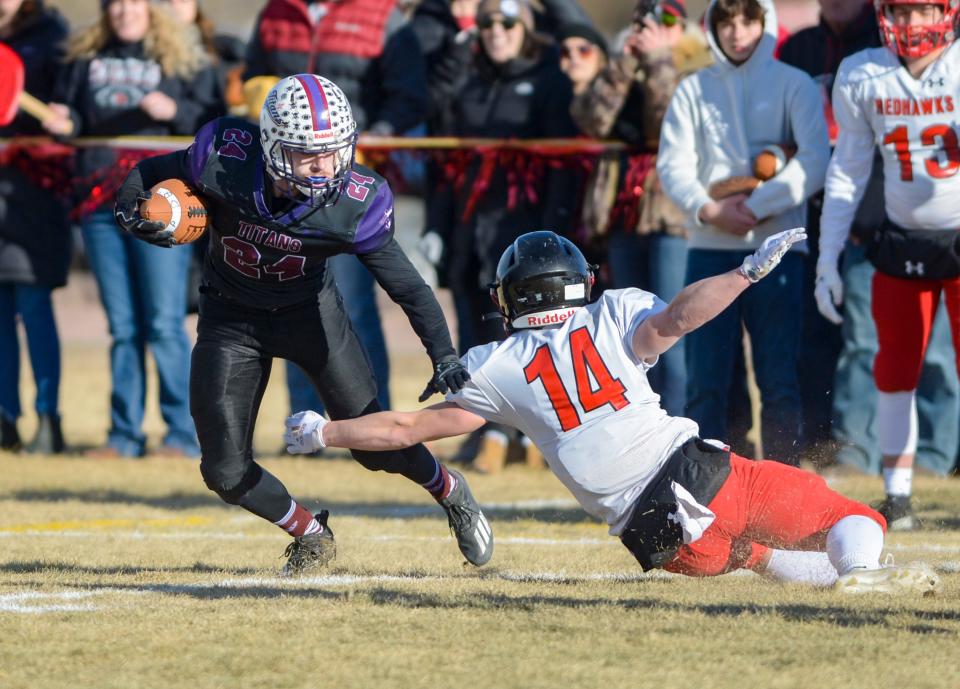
(317,99)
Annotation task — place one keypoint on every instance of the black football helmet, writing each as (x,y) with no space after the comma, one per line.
(541,279)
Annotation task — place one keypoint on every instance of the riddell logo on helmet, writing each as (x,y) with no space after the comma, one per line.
(549,317)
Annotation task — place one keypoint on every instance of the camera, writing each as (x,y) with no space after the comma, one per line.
(647,8)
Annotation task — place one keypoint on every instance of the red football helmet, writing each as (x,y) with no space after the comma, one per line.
(919,40)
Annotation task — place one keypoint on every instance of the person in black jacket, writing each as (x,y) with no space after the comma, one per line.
(446,31)
(841,359)
(34,240)
(135,72)
(515,90)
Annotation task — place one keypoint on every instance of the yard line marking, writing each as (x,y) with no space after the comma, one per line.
(37,602)
(189,520)
(22,602)
(11,532)
(40,609)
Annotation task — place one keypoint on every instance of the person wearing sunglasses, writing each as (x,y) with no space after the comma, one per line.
(631,224)
(583,53)
(514,90)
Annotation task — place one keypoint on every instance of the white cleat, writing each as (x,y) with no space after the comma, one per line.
(916,578)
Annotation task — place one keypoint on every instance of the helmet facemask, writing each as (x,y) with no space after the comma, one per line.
(317,191)
(914,41)
(308,114)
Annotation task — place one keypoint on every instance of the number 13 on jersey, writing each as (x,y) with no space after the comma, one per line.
(587,364)
(939,139)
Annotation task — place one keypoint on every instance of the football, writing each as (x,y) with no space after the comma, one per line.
(177,206)
(771,161)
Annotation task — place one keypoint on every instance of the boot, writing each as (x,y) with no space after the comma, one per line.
(9,438)
(49,437)
(492,455)
(533,457)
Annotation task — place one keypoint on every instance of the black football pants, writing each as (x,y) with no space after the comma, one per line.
(229,372)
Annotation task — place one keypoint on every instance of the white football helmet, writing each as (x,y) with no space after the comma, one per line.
(307,113)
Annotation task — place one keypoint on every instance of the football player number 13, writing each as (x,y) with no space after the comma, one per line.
(899,138)
(587,362)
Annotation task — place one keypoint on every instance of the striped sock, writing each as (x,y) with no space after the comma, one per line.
(298,521)
(442,484)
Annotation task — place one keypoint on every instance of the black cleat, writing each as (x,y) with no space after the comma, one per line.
(898,511)
(9,438)
(467,523)
(310,552)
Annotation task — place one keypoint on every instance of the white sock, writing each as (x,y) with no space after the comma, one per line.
(855,542)
(801,567)
(897,425)
(898,481)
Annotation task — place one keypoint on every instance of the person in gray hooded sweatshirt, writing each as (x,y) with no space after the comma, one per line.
(719,119)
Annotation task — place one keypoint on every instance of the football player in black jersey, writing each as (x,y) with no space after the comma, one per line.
(282,197)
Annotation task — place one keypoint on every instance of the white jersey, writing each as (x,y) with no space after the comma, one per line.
(579,393)
(914,121)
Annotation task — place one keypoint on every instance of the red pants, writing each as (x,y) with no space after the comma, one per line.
(764,505)
(904,311)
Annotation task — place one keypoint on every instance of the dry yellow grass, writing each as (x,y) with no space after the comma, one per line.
(131,574)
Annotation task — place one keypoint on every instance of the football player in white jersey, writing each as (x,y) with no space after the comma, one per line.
(572,376)
(904,98)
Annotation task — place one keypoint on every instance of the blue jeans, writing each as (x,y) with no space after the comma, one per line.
(770,310)
(855,393)
(143,291)
(36,312)
(656,263)
(356,284)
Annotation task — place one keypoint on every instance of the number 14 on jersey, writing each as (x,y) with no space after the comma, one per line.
(587,363)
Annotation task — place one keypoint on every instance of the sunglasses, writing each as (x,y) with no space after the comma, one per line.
(486,23)
(583,50)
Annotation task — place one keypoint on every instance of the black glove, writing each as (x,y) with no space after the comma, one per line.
(449,375)
(127,215)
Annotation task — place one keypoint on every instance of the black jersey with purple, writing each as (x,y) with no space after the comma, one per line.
(268,252)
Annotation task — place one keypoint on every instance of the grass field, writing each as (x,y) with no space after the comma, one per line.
(131,574)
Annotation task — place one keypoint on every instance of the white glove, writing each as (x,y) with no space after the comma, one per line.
(430,247)
(758,264)
(828,289)
(304,433)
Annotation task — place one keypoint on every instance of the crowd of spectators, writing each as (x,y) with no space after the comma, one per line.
(645,211)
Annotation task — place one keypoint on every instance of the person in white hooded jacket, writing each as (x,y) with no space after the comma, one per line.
(719,119)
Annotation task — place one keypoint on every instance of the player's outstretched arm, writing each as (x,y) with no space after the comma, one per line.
(702,301)
(308,432)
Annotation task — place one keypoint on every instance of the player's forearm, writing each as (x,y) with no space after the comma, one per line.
(381,431)
(699,303)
